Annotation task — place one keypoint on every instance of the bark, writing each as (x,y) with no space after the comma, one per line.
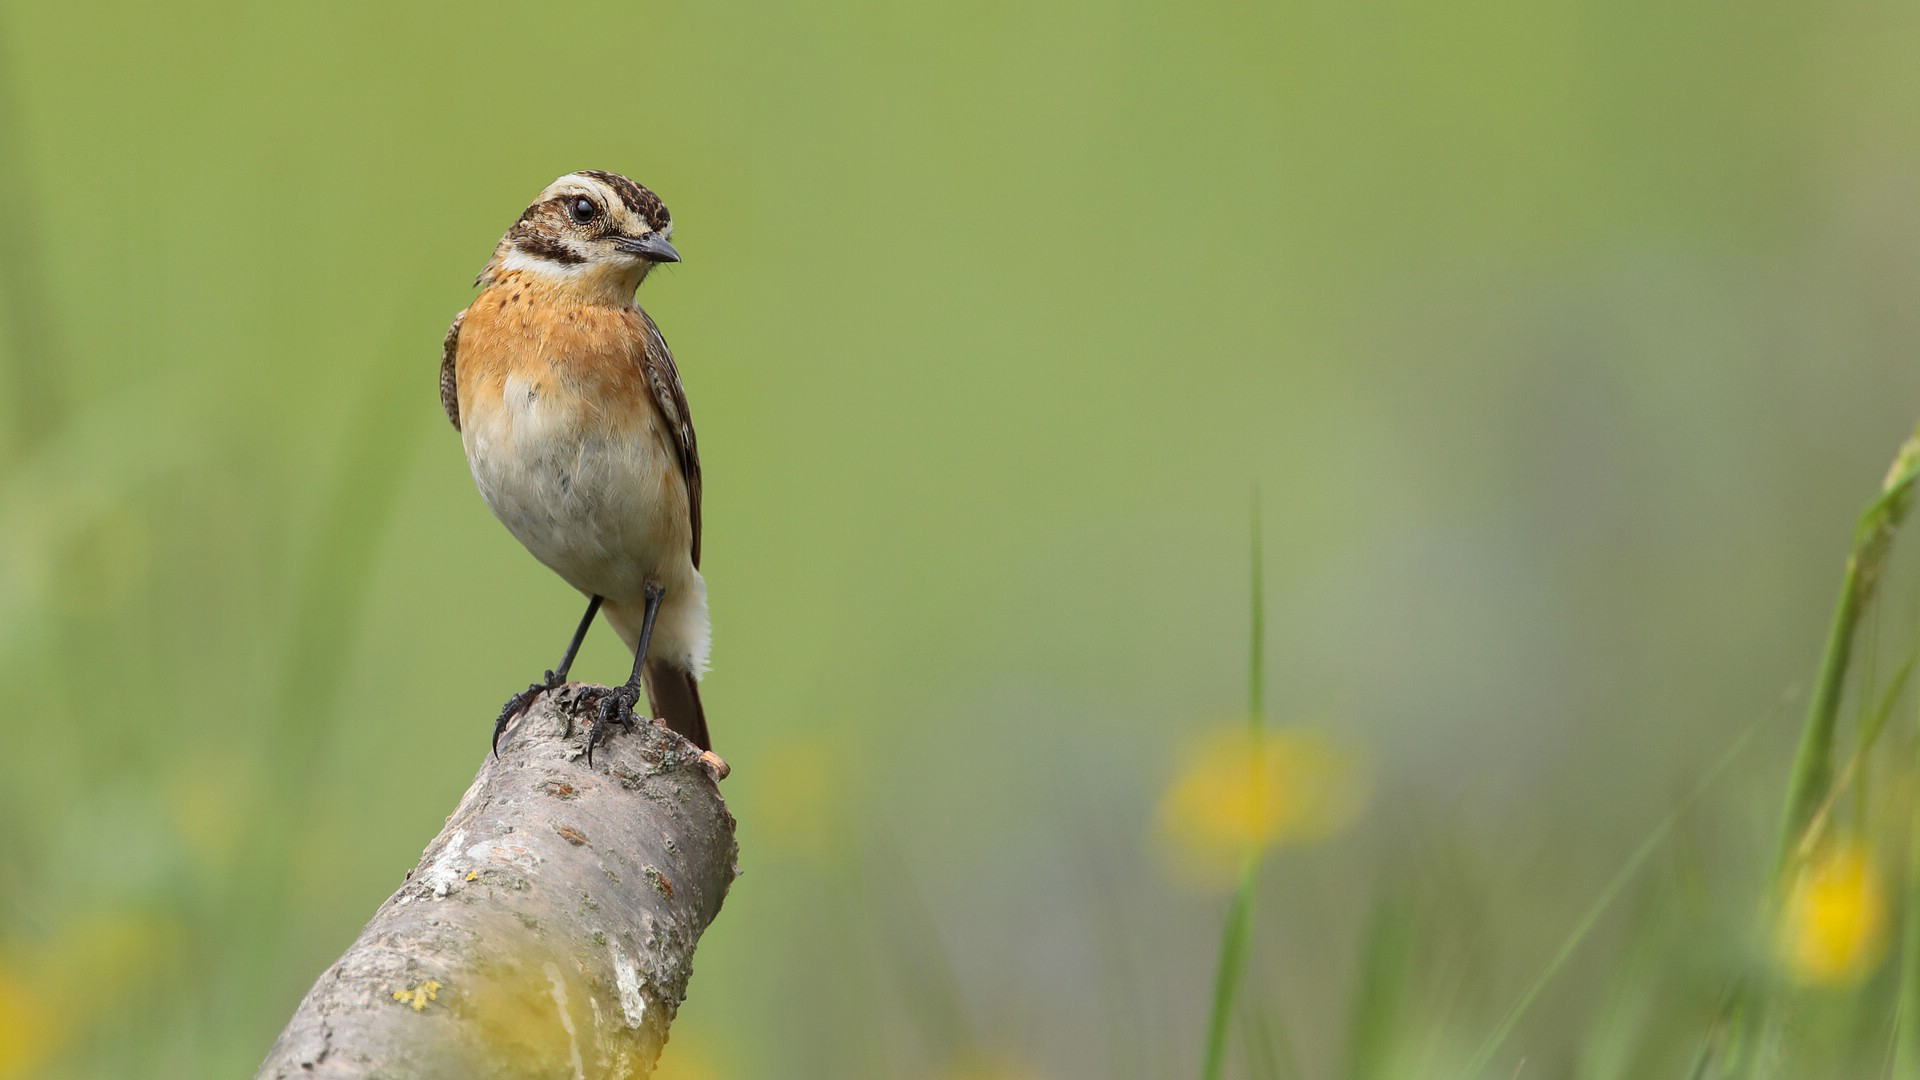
(548,930)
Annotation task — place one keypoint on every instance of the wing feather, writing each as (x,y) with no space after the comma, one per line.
(663,379)
(449,383)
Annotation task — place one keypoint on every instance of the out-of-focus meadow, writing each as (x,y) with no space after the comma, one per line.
(1562,342)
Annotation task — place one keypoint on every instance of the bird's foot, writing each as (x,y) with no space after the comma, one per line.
(520,703)
(616,710)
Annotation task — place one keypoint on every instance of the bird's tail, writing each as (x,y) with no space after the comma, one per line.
(675,696)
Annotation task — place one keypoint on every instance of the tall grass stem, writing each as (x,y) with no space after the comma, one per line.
(1813,762)
(1237,936)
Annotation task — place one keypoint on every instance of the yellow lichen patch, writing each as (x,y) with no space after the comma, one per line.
(418,996)
(1242,791)
(1833,930)
(28,1029)
(473,875)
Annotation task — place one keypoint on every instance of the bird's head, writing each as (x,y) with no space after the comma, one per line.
(594,233)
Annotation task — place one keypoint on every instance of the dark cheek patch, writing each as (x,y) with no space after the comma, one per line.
(548,248)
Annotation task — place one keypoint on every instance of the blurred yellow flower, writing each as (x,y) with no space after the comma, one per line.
(799,783)
(1833,929)
(1242,791)
(27,1029)
(54,992)
(211,796)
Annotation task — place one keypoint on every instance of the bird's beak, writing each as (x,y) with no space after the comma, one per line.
(652,247)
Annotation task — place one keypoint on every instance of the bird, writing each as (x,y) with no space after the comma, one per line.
(578,435)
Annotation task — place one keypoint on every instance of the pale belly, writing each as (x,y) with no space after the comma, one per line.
(606,510)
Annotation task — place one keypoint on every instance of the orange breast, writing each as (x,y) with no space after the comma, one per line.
(581,357)
(566,444)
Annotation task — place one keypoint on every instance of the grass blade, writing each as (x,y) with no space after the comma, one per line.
(1871,725)
(1381,994)
(1236,937)
(1812,763)
(1264,1038)
(1484,1056)
(1234,942)
(1809,785)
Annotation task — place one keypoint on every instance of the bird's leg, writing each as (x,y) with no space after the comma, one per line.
(617,706)
(524,700)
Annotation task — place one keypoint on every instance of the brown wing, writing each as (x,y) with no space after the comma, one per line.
(664,380)
(449,385)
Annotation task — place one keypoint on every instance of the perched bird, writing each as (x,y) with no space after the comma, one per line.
(578,435)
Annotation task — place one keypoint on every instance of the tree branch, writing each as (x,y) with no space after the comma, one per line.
(548,930)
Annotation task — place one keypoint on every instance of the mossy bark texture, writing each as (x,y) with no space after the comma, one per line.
(548,930)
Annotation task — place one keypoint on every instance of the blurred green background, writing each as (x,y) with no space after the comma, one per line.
(1563,342)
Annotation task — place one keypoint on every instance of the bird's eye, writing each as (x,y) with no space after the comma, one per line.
(583,210)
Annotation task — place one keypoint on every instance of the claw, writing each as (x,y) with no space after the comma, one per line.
(615,708)
(520,703)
